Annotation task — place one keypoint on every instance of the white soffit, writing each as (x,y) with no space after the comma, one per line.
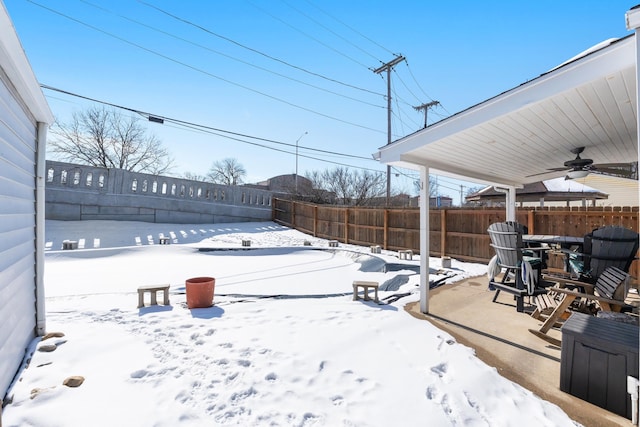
(588,102)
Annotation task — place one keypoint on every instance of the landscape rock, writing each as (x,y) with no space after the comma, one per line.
(74,381)
(52,335)
(47,347)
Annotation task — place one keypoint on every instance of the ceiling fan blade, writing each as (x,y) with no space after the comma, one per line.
(623,170)
(549,171)
(615,165)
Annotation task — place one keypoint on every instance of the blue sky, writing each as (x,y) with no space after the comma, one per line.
(275,69)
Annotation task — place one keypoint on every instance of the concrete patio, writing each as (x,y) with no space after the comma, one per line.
(500,337)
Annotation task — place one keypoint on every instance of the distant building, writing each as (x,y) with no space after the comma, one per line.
(553,192)
(434,202)
(286,184)
(440,202)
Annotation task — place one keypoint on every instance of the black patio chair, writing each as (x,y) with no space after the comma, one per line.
(608,246)
(514,258)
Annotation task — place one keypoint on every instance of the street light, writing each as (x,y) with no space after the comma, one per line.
(296,177)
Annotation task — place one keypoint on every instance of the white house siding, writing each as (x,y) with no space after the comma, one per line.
(17,232)
(24,116)
(622,192)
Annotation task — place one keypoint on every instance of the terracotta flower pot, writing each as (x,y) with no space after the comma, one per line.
(200,292)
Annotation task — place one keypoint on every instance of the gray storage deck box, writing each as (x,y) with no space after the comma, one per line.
(597,356)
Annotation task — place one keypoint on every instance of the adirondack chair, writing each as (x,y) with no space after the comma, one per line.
(608,246)
(608,294)
(514,258)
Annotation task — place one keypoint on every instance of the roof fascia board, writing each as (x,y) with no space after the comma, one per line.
(16,65)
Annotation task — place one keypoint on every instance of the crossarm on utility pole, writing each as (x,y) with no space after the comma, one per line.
(426,107)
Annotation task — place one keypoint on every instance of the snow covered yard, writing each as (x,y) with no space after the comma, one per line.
(284,343)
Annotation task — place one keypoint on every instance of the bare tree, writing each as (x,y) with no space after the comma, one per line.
(227,172)
(105,138)
(338,181)
(346,186)
(367,186)
(433,188)
(318,192)
(194,176)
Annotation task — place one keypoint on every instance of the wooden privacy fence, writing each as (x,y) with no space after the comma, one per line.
(459,233)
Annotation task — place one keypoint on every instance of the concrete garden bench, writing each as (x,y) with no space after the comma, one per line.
(365,286)
(153,291)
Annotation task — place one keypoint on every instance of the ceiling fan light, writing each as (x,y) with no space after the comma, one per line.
(577,174)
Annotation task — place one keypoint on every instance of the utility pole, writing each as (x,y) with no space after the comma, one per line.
(387,67)
(426,107)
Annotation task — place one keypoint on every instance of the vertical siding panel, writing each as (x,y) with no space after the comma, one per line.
(17,233)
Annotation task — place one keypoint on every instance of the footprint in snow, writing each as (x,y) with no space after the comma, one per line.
(440,369)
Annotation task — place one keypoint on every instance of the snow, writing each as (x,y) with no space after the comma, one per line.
(567,186)
(283,345)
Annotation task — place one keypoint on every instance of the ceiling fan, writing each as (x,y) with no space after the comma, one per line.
(579,167)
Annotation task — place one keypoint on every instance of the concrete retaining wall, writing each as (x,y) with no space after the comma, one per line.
(78,192)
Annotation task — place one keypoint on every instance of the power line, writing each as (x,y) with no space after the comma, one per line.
(291,104)
(440,180)
(252,49)
(289,25)
(398,98)
(166,33)
(344,39)
(352,29)
(205,128)
(397,112)
(331,48)
(416,81)
(406,87)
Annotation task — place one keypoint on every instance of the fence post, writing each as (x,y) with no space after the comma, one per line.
(346,225)
(386,229)
(531,221)
(443,232)
(315,221)
(293,214)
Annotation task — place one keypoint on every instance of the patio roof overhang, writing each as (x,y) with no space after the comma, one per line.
(512,138)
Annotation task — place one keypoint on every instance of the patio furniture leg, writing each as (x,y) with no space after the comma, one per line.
(552,319)
(519,304)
